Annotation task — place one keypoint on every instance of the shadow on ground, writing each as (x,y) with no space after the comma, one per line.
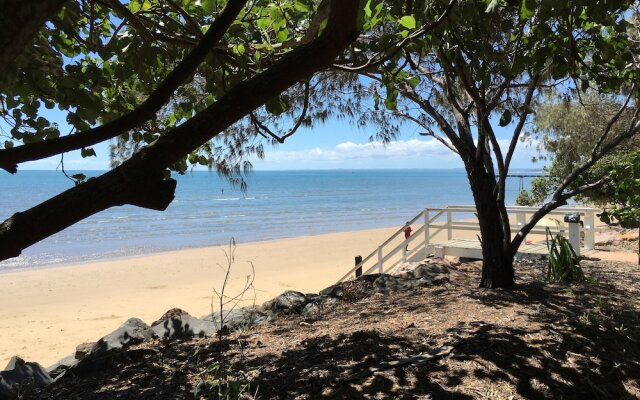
(537,341)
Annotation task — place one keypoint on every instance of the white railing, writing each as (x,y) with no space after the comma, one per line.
(432,221)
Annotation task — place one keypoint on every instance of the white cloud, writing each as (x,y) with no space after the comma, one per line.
(413,153)
(352,151)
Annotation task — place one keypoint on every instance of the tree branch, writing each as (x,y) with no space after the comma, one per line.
(547,208)
(144,170)
(21,20)
(9,158)
(372,62)
(597,154)
(280,139)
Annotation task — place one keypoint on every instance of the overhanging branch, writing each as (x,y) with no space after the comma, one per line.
(142,174)
(9,158)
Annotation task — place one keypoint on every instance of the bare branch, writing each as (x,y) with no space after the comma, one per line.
(547,208)
(523,118)
(599,151)
(263,129)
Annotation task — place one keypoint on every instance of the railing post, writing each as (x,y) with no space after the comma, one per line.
(449,229)
(380,259)
(404,253)
(426,231)
(589,230)
(521,219)
(574,236)
(358,269)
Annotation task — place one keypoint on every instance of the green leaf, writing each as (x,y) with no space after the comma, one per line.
(79,178)
(208,5)
(527,9)
(505,118)
(87,152)
(238,49)
(277,105)
(408,21)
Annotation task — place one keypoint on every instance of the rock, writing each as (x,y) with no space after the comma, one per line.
(332,291)
(19,372)
(289,302)
(181,325)
(83,349)
(438,279)
(386,283)
(59,368)
(393,283)
(317,304)
(239,318)
(105,351)
(133,331)
(14,362)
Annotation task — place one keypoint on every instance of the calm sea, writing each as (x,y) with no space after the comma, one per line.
(207,210)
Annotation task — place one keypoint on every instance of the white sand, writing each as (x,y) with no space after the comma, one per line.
(47,312)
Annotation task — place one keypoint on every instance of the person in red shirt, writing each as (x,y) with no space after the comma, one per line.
(407,233)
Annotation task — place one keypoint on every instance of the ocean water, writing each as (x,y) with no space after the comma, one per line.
(207,210)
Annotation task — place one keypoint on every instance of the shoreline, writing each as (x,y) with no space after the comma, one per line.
(64,264)
(48,311)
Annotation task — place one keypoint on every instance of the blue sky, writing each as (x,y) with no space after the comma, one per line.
(333,145)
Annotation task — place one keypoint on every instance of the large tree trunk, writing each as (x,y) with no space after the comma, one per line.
(497,258)
(20,21)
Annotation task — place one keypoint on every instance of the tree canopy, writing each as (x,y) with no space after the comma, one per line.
(485,69)
(165,78)
(114,67)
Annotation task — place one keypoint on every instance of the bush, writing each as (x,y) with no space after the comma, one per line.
(564,263)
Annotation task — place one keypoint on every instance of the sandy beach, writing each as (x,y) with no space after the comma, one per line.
(47,312)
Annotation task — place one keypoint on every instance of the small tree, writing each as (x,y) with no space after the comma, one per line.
(485,68)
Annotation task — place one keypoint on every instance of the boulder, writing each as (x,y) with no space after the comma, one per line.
(239,318)
(289,302)
(332,291)
(59,368)
(104,352)
(316,304)
(83,349)
(133,331)
(178,324)
(19,372)
(386,283)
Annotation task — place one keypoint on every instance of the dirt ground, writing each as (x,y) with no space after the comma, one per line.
(536,341)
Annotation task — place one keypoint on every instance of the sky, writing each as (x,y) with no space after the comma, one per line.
(335,144)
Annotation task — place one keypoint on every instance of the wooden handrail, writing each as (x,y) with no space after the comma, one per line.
(430,221)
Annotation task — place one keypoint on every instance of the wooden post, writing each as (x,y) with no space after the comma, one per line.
(380,259)
(359,269)
(404,252)
(574,236)
(521,219)
(426,231)
(589,230)
(449,230)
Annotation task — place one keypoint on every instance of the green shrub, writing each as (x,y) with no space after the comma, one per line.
(564,263)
